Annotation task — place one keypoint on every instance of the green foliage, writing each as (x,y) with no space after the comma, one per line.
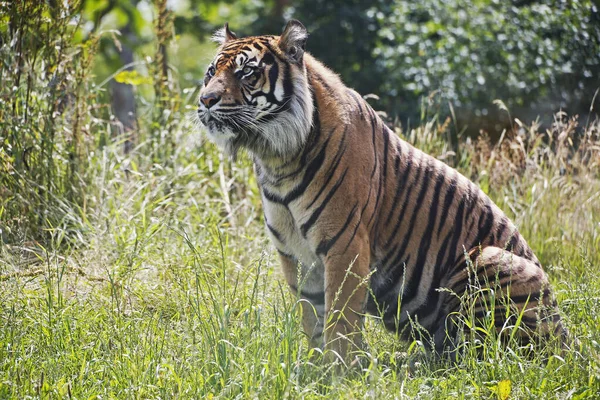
(54,116)
(535,55)
(47,106)
(343,35)
(132,78)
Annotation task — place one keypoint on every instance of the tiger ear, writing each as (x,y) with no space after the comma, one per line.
(293,40)
(223,35)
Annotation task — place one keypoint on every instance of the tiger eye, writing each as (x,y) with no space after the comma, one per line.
(211,71)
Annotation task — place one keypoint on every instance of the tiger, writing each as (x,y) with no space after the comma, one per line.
(363,222)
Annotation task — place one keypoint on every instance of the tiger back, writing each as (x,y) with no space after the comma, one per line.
(362,220)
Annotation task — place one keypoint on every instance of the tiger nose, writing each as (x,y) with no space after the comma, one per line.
(210,99)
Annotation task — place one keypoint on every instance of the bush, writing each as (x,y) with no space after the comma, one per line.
(343,35)
(537,56)
(46,109)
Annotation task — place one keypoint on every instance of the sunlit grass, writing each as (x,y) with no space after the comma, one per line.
(149,275)
(170,288)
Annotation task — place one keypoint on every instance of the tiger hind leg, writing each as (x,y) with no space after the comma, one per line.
(501,291)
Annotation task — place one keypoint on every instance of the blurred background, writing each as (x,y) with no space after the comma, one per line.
(537,56)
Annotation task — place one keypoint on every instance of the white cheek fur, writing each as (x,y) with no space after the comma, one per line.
(288,132)
(221,138)
(284,135)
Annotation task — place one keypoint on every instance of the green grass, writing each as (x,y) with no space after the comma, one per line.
(149,274)
(167,287)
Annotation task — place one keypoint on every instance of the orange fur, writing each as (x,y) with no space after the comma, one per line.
(354,210)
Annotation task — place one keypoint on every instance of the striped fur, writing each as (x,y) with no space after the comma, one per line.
(362,220)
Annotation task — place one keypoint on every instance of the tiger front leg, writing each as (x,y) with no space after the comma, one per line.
(308,287)
(346,283)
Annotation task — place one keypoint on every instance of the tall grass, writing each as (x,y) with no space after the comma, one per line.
(173,290)
(47,116)
(177,293)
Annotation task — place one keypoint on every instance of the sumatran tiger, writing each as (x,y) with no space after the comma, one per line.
(362,220)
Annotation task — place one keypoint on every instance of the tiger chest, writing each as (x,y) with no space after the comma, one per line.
(285,235)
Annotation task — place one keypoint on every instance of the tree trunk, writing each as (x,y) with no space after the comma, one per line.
(123,99)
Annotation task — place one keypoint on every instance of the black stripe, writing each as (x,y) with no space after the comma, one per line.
(512,243)
(518,249)
(326,245)
(500,232)
(288,85)
(382,182)
(433,295)
(362,212)
(358,102)
(415,280)
(332,167)
(386,259)
(313,140)
(353,233)
(309,174)
(375,164)
(431,303)
(401,184)
(484,226)
(315,215)
(315,298)
(284,254)
(386,143)
(274,232)
(247,40)
(441,268)
(323,83)
(419,202)
(448,200)
(456,234)
(481,273)
(380,188)
(273,52)
(404,207)
(472,197)
(532,297)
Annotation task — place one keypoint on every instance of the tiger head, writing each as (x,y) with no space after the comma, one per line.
(256,93)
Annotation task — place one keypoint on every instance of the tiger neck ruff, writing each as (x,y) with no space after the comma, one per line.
(363,221)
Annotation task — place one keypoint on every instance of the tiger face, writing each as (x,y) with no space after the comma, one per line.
(255,93)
